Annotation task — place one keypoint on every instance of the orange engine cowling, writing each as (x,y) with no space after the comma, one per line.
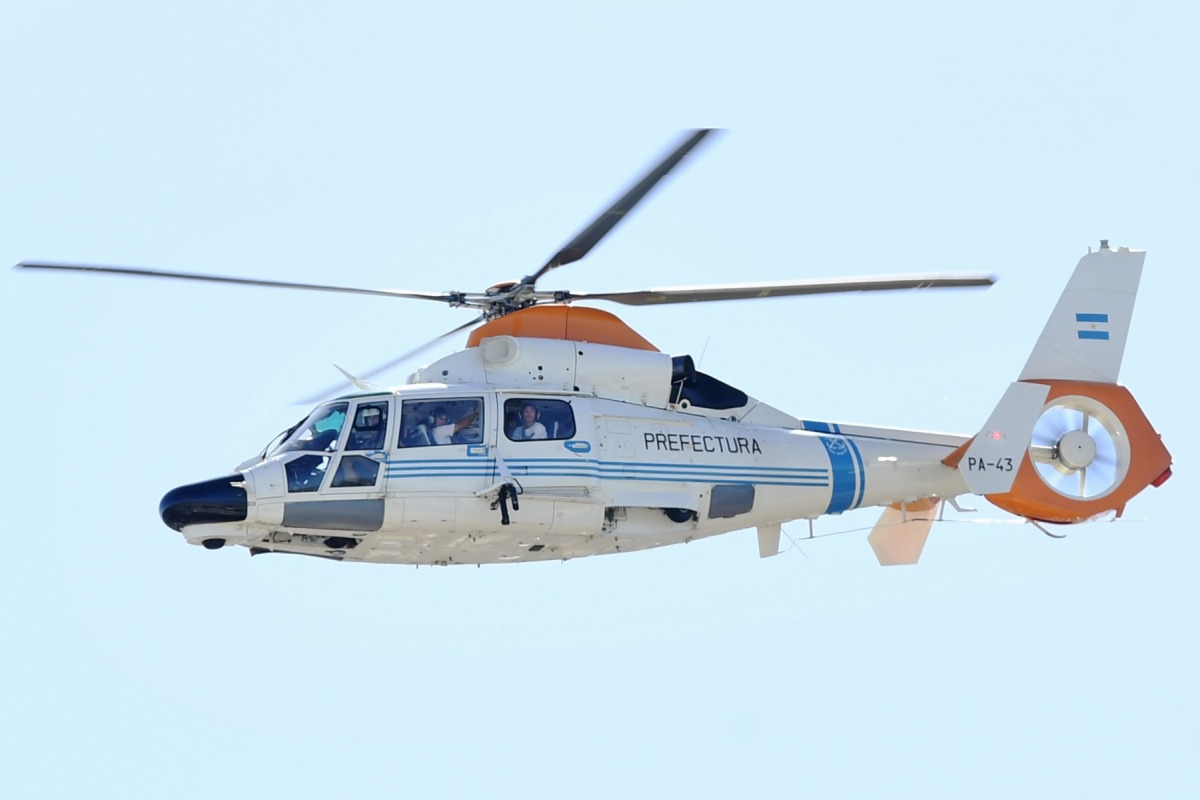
(1092,450)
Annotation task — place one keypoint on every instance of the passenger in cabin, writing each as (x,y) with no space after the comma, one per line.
(444,430)
(529,427)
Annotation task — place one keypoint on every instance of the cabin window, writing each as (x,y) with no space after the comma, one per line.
(370,423)
(453,420)
(355,471)
(529,419)
(304,474)
(319,431)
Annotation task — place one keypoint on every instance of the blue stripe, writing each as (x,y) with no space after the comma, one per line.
(482,469)
(474,462)
(709,475)
(841,462)
(740,481)
(478,465)
(814,481)
(817,427)
(1091,317)
(555,474)
(667,465)
(744,472)
(1093,334)
(662,477)
(394,475)
(862,472)
(551,461)
(664,465)
(660,472)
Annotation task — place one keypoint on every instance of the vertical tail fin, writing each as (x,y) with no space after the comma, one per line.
(1084,339)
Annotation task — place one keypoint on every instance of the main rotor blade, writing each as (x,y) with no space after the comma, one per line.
(751,291)
(586,239)
(193,276)
(400,359)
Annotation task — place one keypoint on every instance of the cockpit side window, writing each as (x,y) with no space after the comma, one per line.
(355,471)
(442,421)
(370,424)
(319,432)
(528,419)
(304,474)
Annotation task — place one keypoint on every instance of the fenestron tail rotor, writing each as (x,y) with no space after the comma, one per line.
(1079,448)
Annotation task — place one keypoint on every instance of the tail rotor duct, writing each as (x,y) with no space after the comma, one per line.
(1079,448)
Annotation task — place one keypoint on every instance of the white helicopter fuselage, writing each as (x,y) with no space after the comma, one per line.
(644,466)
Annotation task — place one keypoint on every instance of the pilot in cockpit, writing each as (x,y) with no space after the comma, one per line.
(368,429)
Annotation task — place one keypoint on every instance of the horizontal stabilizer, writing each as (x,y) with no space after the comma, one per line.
(899,536)
(993,457)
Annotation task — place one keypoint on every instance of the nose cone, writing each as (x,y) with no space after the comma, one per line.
(218,500)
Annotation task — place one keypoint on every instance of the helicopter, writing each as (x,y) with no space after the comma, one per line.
(559,432)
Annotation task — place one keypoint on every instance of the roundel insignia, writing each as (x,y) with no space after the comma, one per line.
(835,446)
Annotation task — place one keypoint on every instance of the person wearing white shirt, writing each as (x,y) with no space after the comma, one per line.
(529,428)
(444,430)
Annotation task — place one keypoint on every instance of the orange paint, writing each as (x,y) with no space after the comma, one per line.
(1148,459)
(952,460)
(573,323)
(922,504)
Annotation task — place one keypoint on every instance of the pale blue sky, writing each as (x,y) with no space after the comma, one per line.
(405,145)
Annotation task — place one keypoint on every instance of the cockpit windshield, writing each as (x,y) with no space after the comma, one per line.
(318,432)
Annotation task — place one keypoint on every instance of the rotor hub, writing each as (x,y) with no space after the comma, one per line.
(1076,450)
